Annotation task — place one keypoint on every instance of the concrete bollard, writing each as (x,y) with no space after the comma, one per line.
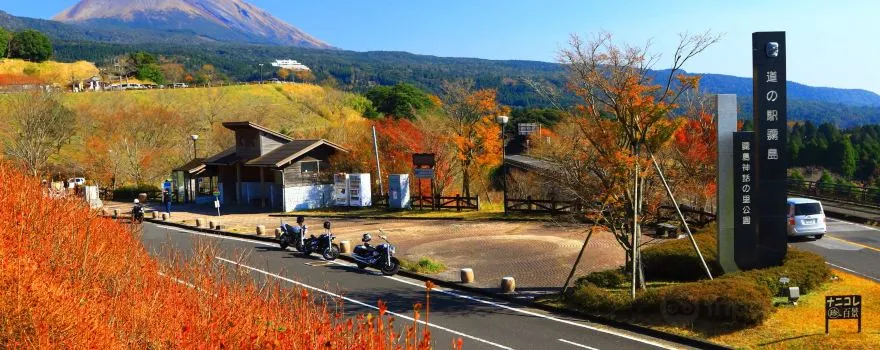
(115,213)
(200,222)
(214,224)
(277,232)
(155,214)
(164,216)
(345,247)
(467,275)
(261,230)
(508,285)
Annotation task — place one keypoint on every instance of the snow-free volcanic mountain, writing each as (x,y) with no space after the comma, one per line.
(220,20)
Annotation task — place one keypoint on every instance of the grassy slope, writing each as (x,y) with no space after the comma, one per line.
(50,71)
(300,110)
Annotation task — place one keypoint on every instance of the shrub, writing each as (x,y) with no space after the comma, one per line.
(739,302)
(130,192)
(31,71)
(590,298)
(676,260)
(604,279)
(805,270)
(424,265)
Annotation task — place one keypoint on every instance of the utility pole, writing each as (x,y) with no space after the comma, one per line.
(378,167)
(261,73)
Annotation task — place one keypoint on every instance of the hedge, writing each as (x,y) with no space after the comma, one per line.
(130,192)
(739,299)
(676,260)
(739,302)
(805,270)
(604,279)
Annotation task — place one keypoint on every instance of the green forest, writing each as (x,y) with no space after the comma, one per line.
(853,153)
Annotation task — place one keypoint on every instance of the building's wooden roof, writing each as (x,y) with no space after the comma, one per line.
(240,125)
(290,151)
(192,166)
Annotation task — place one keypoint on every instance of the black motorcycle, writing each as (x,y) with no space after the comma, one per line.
(380,256)
(293,235)
(137,214)
(322,244)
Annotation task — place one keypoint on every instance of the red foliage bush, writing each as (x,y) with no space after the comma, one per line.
(70,279)
(14,79)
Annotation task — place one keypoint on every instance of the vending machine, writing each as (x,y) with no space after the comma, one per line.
(398,191)
(359,190)
(340,190)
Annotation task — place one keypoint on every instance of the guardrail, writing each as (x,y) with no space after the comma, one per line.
(866,196)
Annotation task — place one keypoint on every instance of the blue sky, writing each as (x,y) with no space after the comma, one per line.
(831,43)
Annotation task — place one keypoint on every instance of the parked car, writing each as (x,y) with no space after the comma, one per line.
(806,217)
(76,181)
(179,85)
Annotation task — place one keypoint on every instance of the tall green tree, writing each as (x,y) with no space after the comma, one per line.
(151,72)
(399,101)
(5,37)
(848,159)
(30,45)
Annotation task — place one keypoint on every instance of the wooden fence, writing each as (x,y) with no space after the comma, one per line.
(456,202)
(542,206)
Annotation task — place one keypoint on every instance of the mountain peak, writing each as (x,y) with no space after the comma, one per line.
(222,20)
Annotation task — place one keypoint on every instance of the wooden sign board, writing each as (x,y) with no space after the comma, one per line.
(423,159)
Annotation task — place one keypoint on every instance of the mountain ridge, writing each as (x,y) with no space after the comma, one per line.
(222,20)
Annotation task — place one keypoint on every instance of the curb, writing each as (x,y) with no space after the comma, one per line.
(371,217)
(510,298)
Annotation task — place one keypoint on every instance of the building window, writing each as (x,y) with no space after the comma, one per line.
(309,167)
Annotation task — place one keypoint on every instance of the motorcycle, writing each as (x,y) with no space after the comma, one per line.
(380,256)
(322,244)
(293,235)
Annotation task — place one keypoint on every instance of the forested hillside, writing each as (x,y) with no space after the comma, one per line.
(358,71)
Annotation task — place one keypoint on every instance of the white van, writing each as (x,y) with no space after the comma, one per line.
(806,218)
(76,181)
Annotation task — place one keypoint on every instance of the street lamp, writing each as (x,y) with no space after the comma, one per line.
(261,73)
(195,150)
(502,119)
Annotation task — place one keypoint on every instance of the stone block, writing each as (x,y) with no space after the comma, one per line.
(508,285)
(345,247)
(467,275)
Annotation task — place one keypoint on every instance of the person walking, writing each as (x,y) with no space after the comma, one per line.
(166,199)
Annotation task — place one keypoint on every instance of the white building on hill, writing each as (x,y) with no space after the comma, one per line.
(289,64)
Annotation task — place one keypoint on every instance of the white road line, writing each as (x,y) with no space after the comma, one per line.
(853,272)
(363,303)
(855,224)
(462,296)
(576,344)
(530,313)
(214,235)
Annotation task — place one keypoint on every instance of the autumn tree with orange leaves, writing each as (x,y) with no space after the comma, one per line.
(622,119)
(693,155)
(476,135)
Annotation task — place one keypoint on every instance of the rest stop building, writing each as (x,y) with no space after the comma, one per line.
(263,169)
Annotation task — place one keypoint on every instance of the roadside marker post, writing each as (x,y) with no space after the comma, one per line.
(217,201)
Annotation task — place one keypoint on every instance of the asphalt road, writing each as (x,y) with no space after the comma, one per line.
(481,322)
(847,246)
